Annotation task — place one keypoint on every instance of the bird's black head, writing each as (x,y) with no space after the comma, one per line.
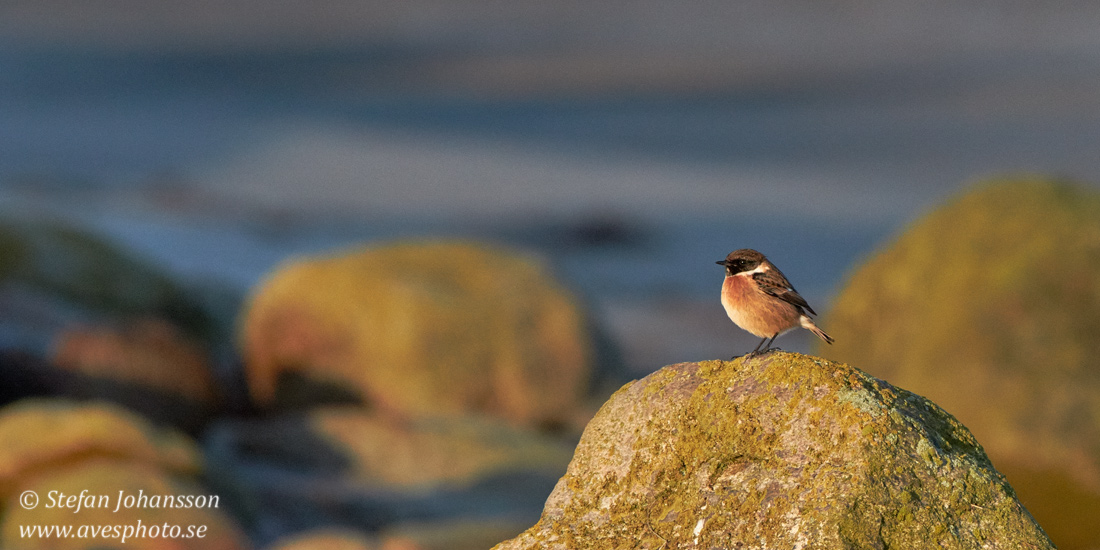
(738,261)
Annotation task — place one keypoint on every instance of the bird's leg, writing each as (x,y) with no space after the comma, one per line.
(755,350)
(768,347)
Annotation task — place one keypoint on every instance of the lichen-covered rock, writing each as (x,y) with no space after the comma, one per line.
(37,435)
(780,451)
(109,512)
(146,352)
(990,306)
(422,329)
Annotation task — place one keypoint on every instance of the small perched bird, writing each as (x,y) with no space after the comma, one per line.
(760,300)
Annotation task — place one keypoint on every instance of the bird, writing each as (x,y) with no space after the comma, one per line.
(759,299)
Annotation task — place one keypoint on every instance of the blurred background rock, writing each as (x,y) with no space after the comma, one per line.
(990,306)
(425,329)
(53,446)
(162,162)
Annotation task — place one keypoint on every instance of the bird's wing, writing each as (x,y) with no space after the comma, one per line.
(773,283)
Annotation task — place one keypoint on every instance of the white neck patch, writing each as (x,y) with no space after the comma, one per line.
(759,269)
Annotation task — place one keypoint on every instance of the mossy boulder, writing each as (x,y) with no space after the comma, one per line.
(779,451)
(990,306)
(424,329)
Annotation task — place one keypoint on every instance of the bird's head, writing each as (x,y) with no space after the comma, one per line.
(739,261)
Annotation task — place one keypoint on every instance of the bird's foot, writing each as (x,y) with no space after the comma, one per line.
(757,353)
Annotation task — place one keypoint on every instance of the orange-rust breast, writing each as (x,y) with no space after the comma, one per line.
(753,310)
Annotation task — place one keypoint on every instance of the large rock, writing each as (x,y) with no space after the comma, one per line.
(781,451)
(990,306)
(422,329)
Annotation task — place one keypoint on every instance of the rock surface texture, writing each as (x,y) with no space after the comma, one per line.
(780,451)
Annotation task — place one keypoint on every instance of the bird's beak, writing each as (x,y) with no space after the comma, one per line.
(721,262)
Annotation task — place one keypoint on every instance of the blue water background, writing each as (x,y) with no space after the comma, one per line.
(823,166)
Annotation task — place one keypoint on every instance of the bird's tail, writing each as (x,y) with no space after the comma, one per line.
(809,325)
